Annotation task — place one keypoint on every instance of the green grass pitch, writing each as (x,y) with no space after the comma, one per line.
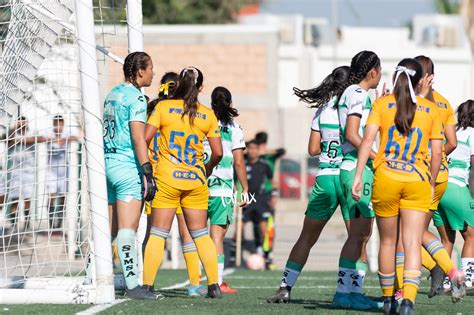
(313,292)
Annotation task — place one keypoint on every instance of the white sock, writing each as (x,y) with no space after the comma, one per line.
(220,268)
(468,269)
(357,282)
(289,278)
(344,281)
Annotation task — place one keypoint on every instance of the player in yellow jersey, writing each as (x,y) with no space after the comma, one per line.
(404,178)
(168,86)
(183,124)
(434,256)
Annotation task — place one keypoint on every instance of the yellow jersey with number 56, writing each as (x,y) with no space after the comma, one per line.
(405,158)
(178,145)
(447,119)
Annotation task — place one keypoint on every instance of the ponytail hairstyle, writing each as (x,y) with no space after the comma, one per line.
(465,115)
(427,67)
(190,80)
(407,75)
(361,64)
(168,86)
(332,86)
(221,103)
(133,62)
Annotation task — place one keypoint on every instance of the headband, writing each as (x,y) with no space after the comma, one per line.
(409,73)
(165,87)
(195,72)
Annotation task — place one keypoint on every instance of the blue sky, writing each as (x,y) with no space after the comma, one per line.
(388,13)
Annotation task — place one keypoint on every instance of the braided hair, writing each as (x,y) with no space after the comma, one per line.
(361,64)
(221,103)
(133,62)
(332,86)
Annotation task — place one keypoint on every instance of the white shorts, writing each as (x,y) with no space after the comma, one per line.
(56,180)
(21,184)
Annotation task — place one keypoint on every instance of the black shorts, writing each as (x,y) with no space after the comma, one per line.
(258,211)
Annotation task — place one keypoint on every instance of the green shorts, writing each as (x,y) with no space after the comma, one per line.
(456,208)
(325,197)
(363,207)
(221,210)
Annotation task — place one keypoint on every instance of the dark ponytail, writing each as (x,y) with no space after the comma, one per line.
(221,103)
(361,64)
(332,86)
(465,115)
(405,106)
(168,86)
(427,67)
(133,62)
(190,80)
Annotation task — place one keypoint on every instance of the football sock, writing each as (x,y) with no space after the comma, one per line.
(192,262)
(291,274)
(127,252)
(207,253)
(387,282)
(399,265)
(411,283)
(220,268)
(440,255)
(358,277)
(468,269)
(426,260)
(344,280)
(154,252)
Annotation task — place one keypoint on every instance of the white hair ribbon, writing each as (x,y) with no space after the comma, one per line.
(409,73)
(195,72)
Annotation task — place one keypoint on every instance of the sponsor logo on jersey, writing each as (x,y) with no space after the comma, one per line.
(187,175)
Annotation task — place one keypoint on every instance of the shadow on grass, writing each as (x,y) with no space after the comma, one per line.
(177,293)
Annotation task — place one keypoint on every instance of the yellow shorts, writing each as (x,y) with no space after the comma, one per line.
(170,197)
(439,190)
(179,210)
(389,195)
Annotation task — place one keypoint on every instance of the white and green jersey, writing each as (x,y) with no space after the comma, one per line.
(326,122)
(460,159)
(354,101)
(221,181)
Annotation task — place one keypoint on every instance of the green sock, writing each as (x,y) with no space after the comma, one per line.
(127,252)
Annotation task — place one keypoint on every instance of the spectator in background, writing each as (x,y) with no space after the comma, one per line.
(258,210)
(21,169)
(57,174)
(271,192)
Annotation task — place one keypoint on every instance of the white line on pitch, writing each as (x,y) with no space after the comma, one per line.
(180,285)
(100,307)
(299,287)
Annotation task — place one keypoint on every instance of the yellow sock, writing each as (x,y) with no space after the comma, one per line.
(387,282)
(411,283)
(399,266)
(207,253)
(440,255)
(192,262)
(154,252)
(426,259)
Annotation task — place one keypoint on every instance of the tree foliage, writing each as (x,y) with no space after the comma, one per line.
(192,11)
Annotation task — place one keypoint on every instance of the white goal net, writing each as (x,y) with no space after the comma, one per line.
(54,234)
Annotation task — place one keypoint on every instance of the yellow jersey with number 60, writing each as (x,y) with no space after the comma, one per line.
(178,145)
(447,119)
(405,158)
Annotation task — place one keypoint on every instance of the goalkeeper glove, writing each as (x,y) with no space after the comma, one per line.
(149,188)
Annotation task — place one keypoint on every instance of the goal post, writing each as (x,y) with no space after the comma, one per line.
(101,251)
(55,243)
